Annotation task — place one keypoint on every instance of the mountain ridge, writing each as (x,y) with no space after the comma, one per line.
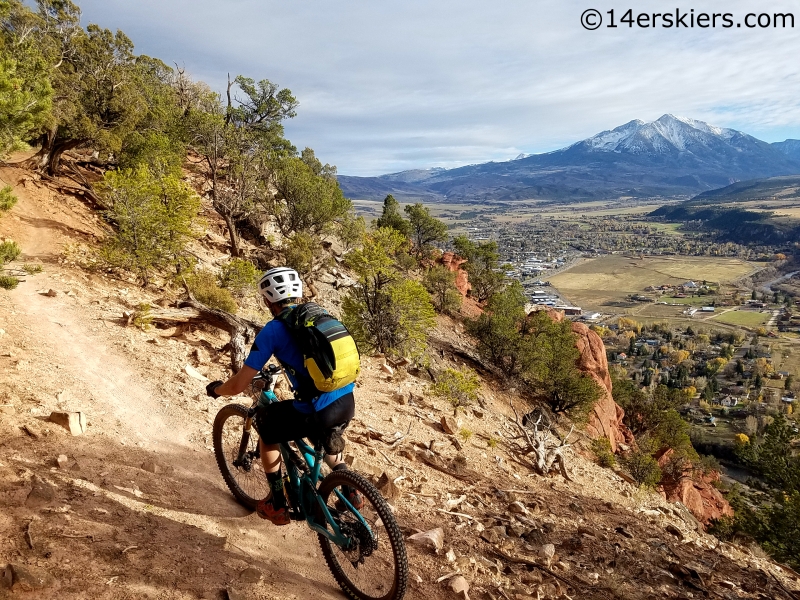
(669,157)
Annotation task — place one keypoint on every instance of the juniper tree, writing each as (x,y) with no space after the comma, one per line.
(424,229)
(153,218)
(386,311)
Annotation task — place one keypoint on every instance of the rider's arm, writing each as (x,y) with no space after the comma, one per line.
(238,383)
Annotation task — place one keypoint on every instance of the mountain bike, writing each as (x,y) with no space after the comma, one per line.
(364,548)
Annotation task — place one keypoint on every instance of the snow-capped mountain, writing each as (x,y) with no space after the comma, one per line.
(671,156)
(667,134)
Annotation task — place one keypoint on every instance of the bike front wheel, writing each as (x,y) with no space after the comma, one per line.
(375,566)
(238,457)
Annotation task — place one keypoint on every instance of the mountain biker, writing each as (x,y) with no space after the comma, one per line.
(310,417)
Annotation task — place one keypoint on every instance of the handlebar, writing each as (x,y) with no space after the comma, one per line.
(268,373)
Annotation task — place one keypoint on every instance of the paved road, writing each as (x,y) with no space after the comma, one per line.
(768,286)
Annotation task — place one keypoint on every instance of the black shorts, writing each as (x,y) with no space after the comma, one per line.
(282,422)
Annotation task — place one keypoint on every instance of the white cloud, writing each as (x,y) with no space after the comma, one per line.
(390,85)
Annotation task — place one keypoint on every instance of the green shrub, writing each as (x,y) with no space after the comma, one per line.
(7,282)
(9,251)
(239,276)
(465,434)
(154,216)
(298,252)
(142,318)
(386,311)
(203,284)
(459,387)
(493,442)
(707,464)
(441,283)
(552,368)
(601,448)
(7,199)
(32,269)
(642,466)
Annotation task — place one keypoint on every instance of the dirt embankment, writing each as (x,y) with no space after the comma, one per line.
(136,509)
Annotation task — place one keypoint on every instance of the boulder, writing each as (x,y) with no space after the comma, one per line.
(702,499)
(460,586)
(387,488)
(606,418)
(450,424)
(387,369)
(432,539)
(453,263)
(151,466)
(74,422)
(250,575)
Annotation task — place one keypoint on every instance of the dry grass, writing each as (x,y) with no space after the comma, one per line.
(745,318)
(606,281)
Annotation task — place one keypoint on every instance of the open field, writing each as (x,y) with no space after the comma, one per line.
(518,211)
(746,318)
(690,300)
(599,283)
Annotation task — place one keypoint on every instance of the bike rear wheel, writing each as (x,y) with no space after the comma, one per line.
(377,567)
(245,478)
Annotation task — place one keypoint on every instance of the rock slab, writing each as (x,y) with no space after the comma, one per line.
(74,422)
(433,538)
(24,578)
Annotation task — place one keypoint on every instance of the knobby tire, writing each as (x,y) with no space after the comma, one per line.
(392,535)
(238,413)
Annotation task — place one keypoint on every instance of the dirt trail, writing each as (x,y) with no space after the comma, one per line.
(138,510)
(176,533)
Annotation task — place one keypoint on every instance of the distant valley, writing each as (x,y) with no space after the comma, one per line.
(671,157)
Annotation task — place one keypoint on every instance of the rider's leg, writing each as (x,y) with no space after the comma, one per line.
(333,460)
(271,461)
(270,457)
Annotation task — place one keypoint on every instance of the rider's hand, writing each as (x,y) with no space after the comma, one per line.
(211,388)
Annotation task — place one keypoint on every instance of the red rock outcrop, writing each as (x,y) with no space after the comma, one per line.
(606,419)
(696,492)
(453,262)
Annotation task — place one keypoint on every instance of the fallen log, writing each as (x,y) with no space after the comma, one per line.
(242,331)
(171,316)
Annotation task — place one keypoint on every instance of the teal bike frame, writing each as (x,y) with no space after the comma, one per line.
(304,472)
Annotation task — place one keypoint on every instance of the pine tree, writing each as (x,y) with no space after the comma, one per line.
(424,229)
(391,217)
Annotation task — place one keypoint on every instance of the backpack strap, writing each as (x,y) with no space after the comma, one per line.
(305,385)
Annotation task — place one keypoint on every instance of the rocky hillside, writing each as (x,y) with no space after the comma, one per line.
(124,501)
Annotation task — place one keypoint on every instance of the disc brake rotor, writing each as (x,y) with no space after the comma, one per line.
(364,543)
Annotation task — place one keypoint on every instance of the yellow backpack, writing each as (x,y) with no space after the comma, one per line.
(329,351)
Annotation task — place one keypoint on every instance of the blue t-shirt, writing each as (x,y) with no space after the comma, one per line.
(275,340)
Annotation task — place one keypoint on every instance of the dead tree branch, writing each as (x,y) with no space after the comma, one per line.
(541,449)
(242,331)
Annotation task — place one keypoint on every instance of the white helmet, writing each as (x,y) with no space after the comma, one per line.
(280,283)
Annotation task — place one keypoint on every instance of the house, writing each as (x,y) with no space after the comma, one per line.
(707,309)
(729,401)
(690,285)
(593,316)
(570,310)
(783,374)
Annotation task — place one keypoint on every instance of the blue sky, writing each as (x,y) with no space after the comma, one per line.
(386,85)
